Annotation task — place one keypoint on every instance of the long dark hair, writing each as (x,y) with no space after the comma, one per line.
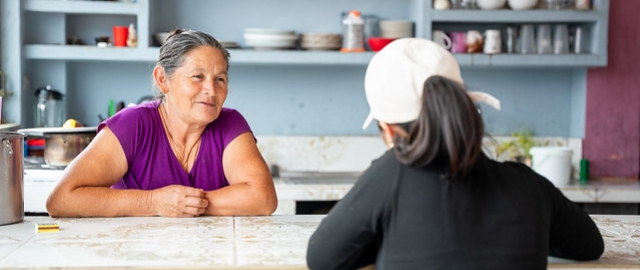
(448,131)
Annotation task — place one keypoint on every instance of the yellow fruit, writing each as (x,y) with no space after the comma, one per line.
(70,123)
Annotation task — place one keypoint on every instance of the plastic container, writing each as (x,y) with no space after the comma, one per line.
(554,163)
(353,40)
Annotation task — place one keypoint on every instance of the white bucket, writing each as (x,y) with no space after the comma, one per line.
(553,162)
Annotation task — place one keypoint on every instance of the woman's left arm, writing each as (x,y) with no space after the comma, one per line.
(250,191)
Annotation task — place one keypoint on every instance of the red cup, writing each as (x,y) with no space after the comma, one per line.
(120,35)
(377,43)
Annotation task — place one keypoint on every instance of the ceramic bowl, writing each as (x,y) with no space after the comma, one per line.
(491,4)
(522,4)
(377,43)
(161,37)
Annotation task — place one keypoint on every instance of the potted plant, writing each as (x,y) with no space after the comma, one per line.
(517,149)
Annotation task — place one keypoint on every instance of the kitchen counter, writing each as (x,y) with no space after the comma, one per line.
(317,189)
(276,242)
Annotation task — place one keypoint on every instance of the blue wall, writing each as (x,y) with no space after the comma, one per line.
(300,100)
(306,100)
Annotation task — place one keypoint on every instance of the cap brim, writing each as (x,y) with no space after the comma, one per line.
(368,121)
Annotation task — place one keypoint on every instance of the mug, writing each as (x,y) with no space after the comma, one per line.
(474,41)
(458,42)
(492,41)
(441,38)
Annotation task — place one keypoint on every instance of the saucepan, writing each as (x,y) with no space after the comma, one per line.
(62,145)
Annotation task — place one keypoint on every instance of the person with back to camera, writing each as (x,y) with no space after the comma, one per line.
(183,155)
(435,200)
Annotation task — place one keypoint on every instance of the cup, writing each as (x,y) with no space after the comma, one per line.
(441,38)
(120,35)
(474,41)
(371,28)
(561,39)
(458,42)
(492,41)
(527,40)
(578,40)
(456,4)
(511,39)
(544,39)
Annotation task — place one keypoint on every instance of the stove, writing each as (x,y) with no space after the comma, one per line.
(39,180)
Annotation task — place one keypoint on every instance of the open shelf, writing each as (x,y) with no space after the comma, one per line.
(511,16)
(82,7)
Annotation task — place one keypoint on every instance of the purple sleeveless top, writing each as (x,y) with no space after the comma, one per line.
(152,163)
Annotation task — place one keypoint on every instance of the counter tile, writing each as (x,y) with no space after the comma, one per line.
(12,236)
(275,240)
(127,242)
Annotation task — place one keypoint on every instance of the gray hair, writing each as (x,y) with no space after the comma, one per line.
(182,41)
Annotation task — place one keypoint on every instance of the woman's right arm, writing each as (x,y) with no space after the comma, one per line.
(85,188)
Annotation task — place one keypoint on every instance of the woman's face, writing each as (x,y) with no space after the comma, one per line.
(197,89)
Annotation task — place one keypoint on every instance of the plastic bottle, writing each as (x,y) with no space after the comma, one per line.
(353,40)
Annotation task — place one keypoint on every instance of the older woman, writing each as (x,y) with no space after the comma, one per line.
(183,155)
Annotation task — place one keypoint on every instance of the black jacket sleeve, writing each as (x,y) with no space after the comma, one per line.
(573,234)
(349,237)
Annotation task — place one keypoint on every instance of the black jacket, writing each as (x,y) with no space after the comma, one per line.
(500,216)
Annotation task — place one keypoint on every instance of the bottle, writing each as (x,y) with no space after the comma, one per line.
(353,40)
(132,39)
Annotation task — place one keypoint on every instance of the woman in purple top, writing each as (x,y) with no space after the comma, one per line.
(183,155)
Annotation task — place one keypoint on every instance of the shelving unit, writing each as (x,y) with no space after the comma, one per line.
(42,23)
(427,20)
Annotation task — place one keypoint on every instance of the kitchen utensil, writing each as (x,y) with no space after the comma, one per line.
(491,4)
(62,145)
(527,39)
(522,4)
(578,40)
(511,39)
(377,43)
(11,177)
(543,36)
(492,41)
(441,38)
(120,35)
(561,39)
(49,111)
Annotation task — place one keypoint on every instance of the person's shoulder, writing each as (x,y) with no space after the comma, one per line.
(227,112)
(141,110)
(382,168)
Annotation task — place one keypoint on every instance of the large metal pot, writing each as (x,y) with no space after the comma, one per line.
(61,149)
(11,177)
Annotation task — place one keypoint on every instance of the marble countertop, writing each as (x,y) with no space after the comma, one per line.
(316,189)
(275,242)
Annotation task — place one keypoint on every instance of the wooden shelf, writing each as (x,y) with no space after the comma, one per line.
(82,7)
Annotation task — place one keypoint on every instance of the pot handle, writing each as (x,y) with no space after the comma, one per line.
(7,146)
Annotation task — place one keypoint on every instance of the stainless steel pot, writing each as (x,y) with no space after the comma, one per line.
(62,145)
(11,177)
(61,149)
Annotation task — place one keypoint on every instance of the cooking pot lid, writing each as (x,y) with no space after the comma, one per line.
(56,130)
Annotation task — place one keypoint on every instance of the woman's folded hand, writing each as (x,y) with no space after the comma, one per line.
(178,201)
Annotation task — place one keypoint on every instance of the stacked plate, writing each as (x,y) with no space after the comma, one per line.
(270,39)
(229,44)
(396,29)
(321,41)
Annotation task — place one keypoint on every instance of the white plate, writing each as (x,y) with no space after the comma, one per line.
(56,130)
(261,37)
(271,43)
(269,31)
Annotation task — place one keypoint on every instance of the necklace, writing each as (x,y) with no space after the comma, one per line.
(184,155)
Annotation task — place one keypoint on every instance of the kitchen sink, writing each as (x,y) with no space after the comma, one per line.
(320,178)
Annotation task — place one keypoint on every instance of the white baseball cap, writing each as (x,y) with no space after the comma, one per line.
(396,75)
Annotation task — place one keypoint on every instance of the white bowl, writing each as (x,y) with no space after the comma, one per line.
(491,4)
(522,4)
(161,37)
